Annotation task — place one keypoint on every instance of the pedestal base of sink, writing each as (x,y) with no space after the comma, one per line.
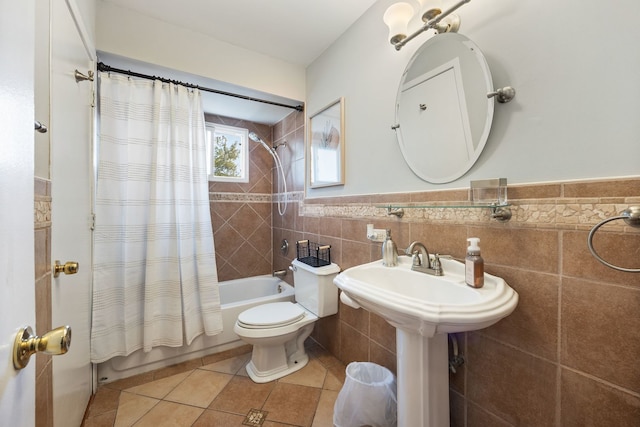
(423,380)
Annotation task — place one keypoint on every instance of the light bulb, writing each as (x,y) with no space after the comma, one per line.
(429,9)
(397,18)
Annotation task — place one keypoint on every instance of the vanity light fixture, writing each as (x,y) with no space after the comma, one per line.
(398,15)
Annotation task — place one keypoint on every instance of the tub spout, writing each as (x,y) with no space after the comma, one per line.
(279,273)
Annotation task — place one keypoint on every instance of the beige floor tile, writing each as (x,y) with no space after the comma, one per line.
(331,382)
(211,395)
(292,404)
(243,371)
(268,423)
(132,407)
(241,395)
(338,369)
(103,420)
(211,418)
(159,388)
(312,375)
(170,414)
(199,388)
(229,366)
(324,413)
(105,400)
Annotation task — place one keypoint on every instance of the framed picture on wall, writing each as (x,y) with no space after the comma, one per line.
(326,146)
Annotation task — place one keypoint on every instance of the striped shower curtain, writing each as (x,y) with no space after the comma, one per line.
(155,281)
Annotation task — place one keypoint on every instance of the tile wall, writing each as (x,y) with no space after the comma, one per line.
(42,242)
(568,354)
(241,212)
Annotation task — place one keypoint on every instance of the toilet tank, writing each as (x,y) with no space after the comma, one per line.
(314,288)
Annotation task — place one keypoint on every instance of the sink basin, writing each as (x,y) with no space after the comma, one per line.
(424,308)
(423,303)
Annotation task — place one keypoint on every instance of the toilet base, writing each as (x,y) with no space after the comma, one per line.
(272,358)
(265,377)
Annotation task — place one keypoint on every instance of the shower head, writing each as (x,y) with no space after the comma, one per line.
(282,182)
(254,137)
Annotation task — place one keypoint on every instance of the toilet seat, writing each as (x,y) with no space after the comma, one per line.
(272,315)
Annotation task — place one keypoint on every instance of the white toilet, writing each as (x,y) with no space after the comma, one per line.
(278,330)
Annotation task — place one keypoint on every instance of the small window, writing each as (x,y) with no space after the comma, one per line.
(228,154)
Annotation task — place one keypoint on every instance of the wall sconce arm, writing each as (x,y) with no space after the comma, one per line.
(452,24)
(504,94)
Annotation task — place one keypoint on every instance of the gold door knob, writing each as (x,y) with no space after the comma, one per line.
(53,342)
(69,267)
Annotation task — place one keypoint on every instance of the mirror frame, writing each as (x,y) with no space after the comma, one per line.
(474,52)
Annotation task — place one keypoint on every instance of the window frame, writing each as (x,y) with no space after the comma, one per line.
(243,136)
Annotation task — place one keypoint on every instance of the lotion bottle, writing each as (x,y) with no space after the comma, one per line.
(389,251)
(474,274)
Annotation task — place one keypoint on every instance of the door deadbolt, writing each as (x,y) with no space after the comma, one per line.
(69,267)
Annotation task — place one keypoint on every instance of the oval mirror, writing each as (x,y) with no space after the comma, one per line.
(442,110)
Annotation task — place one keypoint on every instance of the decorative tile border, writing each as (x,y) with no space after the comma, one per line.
(255,197)
(572,213)
(42,212)
(240,197)
(42,203)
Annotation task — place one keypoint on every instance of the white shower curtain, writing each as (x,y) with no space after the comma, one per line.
(155,281)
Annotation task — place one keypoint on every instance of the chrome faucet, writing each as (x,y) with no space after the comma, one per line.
(279,273)
(425,265)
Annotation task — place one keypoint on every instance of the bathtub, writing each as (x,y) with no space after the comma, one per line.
(235,297)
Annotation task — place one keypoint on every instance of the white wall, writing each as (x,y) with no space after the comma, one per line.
(575,65)
(87,13)
(84,10)
(127,33)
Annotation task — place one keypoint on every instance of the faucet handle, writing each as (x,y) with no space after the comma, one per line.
(436,265)
(438,257)
(415,259)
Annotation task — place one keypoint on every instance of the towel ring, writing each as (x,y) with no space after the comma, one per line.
(631,216)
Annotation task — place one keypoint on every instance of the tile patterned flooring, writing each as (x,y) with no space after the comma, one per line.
(216,391)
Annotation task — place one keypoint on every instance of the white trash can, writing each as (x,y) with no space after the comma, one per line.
(367,398)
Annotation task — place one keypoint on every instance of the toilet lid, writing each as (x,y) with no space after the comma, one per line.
(271,315)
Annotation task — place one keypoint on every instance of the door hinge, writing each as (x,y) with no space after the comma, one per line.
(93,221)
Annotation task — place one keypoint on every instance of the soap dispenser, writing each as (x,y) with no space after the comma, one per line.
(474,264)
(389,251)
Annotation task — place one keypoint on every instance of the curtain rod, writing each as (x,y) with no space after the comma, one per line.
(103,67)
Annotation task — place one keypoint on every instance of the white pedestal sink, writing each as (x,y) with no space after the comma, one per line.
(424,309)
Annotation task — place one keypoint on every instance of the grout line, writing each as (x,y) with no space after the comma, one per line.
(602,381)
(484,409)
(465,380)
(516,348)
(559,330)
